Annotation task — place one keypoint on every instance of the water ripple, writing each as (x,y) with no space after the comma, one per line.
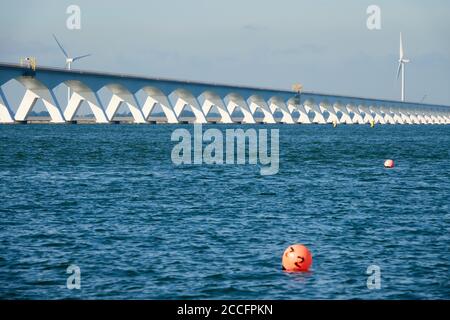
(108,199)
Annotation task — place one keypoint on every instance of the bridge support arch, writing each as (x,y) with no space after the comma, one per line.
(276,103)
(184,98)
(345,118)
(318,116)
(368,116)
(387,115)
(155,96)
(357,117)
(34,91)
(255,103)
(379,117)
(236,101)
(332,118)
(413,116)
(80,93)
(122,95)
(211,99)
(404,116)
(300,108)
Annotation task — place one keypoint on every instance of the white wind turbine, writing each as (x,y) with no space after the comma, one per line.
(401,67)
(69,61)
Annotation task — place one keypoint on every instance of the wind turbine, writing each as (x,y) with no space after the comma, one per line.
(401,67)
(69,61)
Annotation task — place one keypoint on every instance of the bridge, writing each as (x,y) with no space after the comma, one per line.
(174,95)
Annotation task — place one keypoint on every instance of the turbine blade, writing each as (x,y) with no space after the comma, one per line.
(61,47)
(81,57)
(401,46)
(400,65)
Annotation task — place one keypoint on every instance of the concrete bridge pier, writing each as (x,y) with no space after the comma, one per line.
(368,117)
(80,93)
(210,100)
(427,118)
(332,113)
(432,115)
(406,116)
(414,114)
(318,116)
(256,103)
(303,118)
(122,95)
(235,101)
(148,106)
(443,118)
(396,115)
(355,109)
(32,94)
(440,117)
(155,96)
(280,105)
(387,115)
(73,105)
(379,117)
(184,98)
(6,115)
(446,117)
(345,118)
(421,117)
(402,116)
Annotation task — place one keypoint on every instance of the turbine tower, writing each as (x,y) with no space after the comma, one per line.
(402,61)
(69,61)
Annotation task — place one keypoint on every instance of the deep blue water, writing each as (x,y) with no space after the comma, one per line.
(108,199)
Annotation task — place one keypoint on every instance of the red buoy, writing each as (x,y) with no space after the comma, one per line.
(297,258)
(389,163)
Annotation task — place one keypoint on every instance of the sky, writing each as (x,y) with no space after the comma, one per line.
(324,45)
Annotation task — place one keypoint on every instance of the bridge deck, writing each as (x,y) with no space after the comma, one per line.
(181,82)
